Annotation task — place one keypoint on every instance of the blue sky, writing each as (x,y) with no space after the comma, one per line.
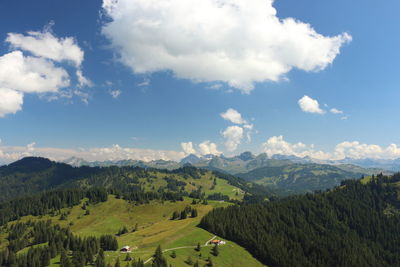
(174,97)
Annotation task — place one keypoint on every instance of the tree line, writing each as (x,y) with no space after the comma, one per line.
(54,240)
(47,202)
(354,224)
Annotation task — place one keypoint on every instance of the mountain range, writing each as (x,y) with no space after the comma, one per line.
(281,173)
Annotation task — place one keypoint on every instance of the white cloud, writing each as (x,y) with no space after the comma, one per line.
(355,149)
(188,148)
(115,93)
(208,147)
(336,111)
(30,74)
(45,44)
(277,145)
(307,104)
(82,80)
(10,101)
(358,150)
(115,152)
(37,73)
(21,74)
(146,82)
(233,116)
(215,86)
(233,136)
(249,131)
(235,41)
(83,95)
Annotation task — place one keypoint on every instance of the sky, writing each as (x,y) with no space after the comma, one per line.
(151,79)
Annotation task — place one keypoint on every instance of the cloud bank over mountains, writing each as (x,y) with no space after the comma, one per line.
(275,145)
(115,152)
(356,150)
(233,41)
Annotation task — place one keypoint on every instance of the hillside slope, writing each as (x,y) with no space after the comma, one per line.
(33,175)
(299,178)
(356,224)
(149,225)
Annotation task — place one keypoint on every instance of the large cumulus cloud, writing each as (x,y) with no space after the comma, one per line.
(235,41)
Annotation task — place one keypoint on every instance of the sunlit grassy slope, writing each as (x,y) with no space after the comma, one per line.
(154,228)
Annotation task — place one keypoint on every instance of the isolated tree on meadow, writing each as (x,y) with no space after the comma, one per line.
(193,214)
(159,260)
(173,254)
(215,250)
(189,260)
(175,215)
(183,215)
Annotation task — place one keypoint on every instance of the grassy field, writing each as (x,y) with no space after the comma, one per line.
(206,182)
(154,228)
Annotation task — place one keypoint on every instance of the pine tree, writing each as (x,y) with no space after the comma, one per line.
(128,257)
(159,260)
(215,250)
(198,247)
(175,215)
(135,228)
(46,257)
(189,260)
(173,254)
(64,260)
(100,261)
(209,262)
(183,215)
(193,214)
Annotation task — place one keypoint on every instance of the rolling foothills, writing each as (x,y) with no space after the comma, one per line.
(240,211)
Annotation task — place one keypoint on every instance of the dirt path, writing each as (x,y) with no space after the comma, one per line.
(210,240)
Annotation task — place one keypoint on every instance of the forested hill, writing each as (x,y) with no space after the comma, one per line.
(33,175)
(356,224)
(296,178)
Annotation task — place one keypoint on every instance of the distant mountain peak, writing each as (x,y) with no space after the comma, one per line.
(246,156)
(190,159)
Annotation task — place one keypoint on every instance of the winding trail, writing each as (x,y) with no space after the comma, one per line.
(210,240)
(169,249)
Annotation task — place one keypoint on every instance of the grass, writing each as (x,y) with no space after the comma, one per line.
(154,228)
(205,182)
(366,179)
(25,250)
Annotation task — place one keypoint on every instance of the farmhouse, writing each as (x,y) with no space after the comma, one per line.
(217,242)
(126,249)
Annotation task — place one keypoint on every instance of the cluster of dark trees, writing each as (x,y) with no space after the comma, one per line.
(53,240)
(122,231)
(143,197)
(218,196)
(185,213)
(48,202)
(174,185)
(354,224)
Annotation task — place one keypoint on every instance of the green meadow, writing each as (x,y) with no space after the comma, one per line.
(153,227)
